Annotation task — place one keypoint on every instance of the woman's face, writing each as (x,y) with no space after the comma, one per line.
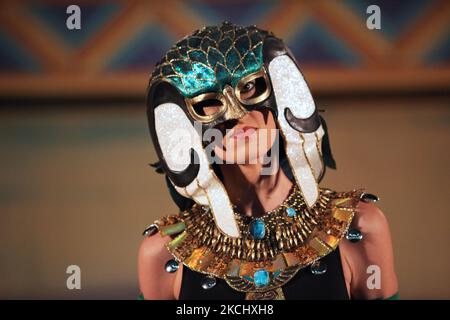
(249,139)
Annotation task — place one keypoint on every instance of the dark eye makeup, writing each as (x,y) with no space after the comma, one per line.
(253,89)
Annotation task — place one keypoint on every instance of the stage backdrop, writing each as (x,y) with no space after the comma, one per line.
(75,185)
(119,41)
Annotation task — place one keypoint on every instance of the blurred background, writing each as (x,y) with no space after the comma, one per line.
(75,185)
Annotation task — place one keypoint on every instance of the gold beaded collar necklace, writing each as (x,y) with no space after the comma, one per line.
(272,248)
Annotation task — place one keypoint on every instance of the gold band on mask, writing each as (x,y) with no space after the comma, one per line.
(202,97)
(230,99)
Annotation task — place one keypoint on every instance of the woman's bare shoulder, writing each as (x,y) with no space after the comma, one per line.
(370,220)
(153,247)
(372,256)
(154,281)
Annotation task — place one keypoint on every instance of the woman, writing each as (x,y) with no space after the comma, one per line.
(226,105)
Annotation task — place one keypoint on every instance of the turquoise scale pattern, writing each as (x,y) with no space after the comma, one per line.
(211,58)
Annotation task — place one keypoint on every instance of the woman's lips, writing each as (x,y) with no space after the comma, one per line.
(242,132)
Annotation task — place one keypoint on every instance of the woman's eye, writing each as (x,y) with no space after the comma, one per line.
(254,91)
(248,86)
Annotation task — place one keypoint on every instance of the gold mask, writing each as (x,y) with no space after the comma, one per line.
(230,104)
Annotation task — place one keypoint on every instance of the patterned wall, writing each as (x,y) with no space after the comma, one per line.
(119,42)
(76,188)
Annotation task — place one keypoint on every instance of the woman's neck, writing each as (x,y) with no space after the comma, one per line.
(253,193)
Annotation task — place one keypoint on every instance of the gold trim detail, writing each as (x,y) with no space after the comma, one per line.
(190,102)
(276,294)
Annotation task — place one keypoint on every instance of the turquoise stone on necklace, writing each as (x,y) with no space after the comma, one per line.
(258,229)
(261,278)
(291,212)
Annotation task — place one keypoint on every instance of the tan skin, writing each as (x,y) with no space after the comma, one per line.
(254,194)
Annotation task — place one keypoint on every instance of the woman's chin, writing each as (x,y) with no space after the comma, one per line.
(242,158)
